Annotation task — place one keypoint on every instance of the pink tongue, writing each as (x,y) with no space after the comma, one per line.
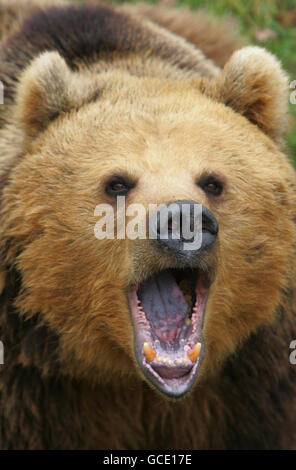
(164,304)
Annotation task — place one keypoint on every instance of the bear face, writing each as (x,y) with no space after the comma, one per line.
(87,138)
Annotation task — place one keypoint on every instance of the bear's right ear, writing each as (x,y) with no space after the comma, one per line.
(254,84)
(47,88)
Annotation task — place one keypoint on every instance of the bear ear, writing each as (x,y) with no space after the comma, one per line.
(253,84)
(47,88)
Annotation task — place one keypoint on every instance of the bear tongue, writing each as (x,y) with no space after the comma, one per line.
(164,305)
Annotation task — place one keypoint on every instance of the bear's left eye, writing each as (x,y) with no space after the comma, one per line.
(211,185)
(118,186)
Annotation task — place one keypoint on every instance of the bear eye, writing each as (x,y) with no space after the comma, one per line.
(211,185)
(118,186)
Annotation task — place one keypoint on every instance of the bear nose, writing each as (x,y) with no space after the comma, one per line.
(184,226)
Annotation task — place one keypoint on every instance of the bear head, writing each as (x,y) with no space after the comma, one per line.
(97,147)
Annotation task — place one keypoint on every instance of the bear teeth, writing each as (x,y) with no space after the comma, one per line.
(194,352)
(149,352)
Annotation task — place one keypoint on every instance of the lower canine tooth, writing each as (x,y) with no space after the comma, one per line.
(194,352)
(149,352)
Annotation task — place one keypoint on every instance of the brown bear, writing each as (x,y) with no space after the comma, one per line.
(135,342)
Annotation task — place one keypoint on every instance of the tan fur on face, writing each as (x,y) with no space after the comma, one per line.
(178,135)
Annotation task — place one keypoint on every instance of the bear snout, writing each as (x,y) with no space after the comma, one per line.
(184,228)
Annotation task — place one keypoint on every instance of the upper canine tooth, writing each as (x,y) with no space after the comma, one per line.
(194,352)
(149,352)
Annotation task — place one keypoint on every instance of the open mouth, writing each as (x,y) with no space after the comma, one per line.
(167,312)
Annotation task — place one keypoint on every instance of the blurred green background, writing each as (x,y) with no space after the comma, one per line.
(267,23)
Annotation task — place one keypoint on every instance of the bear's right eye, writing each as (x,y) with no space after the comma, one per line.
(211,185)
(118,186)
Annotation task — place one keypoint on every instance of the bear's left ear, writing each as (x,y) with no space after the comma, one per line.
(47,88)
(253,84)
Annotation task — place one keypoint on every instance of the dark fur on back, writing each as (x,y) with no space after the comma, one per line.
(84,33)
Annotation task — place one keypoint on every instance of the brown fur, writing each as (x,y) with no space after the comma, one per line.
(115,92)
(13,13)
(216,39)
